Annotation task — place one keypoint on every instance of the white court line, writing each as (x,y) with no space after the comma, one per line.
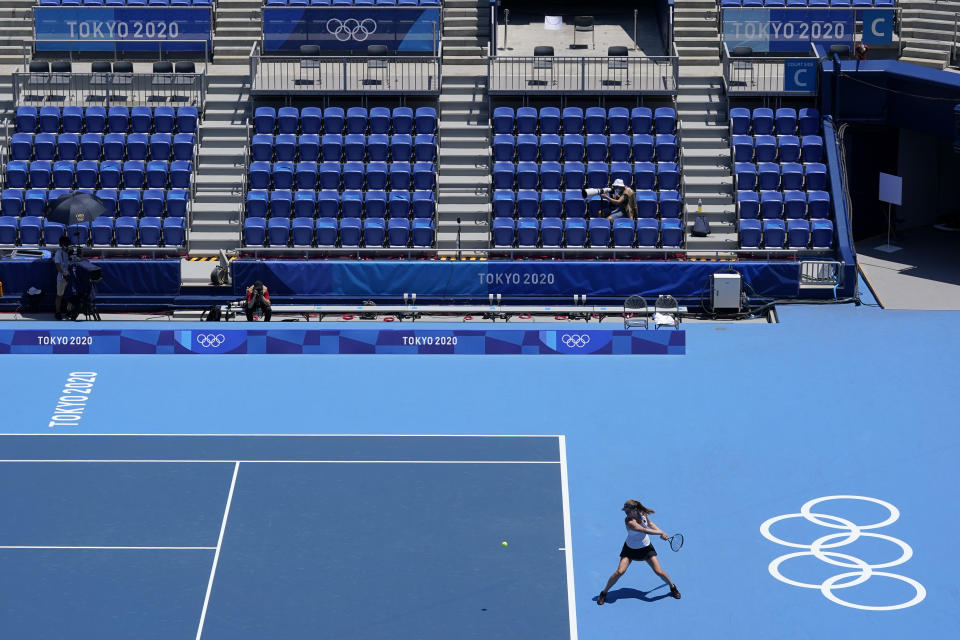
(216,554)
(307,461)
(567,541)
(112,548)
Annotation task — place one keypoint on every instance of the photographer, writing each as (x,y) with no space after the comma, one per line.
(258,297)
(623,199)
(61,260)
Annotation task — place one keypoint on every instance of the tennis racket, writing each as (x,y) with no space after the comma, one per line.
(676,541)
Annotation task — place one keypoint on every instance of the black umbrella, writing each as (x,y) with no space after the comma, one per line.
(73,208)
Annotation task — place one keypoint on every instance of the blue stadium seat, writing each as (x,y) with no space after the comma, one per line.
(774,234)
(164,119)
(377,146)
(152,202)
(574,175)
(595,120)
(551,175)
(183,145)
(575,232)
(187,119)
(373,232)
(750,234)
(666,144)
(665,119)
(786,121)
(643,147)
(311,120)
(72,119)
(285,147)
(375,203)
(551,204)
(328,175)
(742,149)
(282,175)
(574,205)
(572,120)
(31,230)
(668,176)
(174,232)
(598,175)
(118,119)
(551,149)
(379,120)
(671,233)
(503,120)
(40,173)
(45,146)
(111,172)
(21,146)
(281,203)
(599,229)
(400,175)
(91,145)
(26,118)
(356,122)
(426,120)
(334,119)
(748,205)
(86,174)
(50,119)
(401,147)
(671,204)
(641,120)
(331,147)
(739,121)
(549,121)
(257,203)
(350,232)
(762,121)
(52,232)
(288,120)
(137,145)
(402,120)
(771,205)
(425,147)
(423,204)
(815,176)
(157,172)
(646,203)
(811,149)
(304,203)
(621,171)
(528,232)
(618,121)
(798,234)
(328,203)
(765,148)
(821,234)
(648,232)
(791,176)
(150,231)
(351,203)
(177,203)
(788,148)
(398,232)
(114,146)
(528,175)
(503,232)
(101,231)
(278,232)
(527,147)
(818,204)
(768,176)
(503,148)
(398,204)
(125,231)
(11,203)
(259,174)
(351,175)
(528,203)
(128,205)
(35,202)
(551,232)
(79,233)
(526,121)
(8,229)
(326,231)
(808,122)
(161,145)
(619,147)
(141,119)
(423,232)
(308,147)
(503,175)
(745,176)
(596,148)
(644,175)
(573,147)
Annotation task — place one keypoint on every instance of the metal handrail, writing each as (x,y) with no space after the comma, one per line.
(344,74)
(650,75)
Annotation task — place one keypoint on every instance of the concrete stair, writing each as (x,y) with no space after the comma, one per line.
(466,32)
(239,25)
(695,32)
(927,31)
(16,28)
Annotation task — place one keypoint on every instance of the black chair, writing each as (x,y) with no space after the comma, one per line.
(542,64)
(122,73)
(308,56)
(842,50)
(163,66)
(185,67)
(123,66)
(742,67)
(39,66)
(60,71)
(376,65)
(617,65)
(741,52)
(100,67)
(582,24)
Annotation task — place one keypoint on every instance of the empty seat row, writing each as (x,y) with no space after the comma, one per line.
(349,175)
(330,232)
(353,120)
(796,234)
(807,3)
(127,202)
(793,205)
(783,148)
(577,232)
(97,146)
(577,175)
(765,122)
(572,204)
(103,231)
(353,3)
(117,119)
(109,174)
(596,120)
(550,147)
(354,147)
(125,3)
(331,204)
(767,176)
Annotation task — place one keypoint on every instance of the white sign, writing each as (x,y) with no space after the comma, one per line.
(553,23)
(891,188)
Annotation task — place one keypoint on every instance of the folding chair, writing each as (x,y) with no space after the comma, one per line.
(666,312)
(542,64)
(582,24)
(635,312)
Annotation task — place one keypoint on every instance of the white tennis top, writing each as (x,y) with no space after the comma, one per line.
(638,539)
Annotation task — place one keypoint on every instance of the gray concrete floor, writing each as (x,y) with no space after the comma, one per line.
(526,31)
(924,274)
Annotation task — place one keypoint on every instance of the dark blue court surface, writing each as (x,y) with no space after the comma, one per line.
(252,537)
(752,445)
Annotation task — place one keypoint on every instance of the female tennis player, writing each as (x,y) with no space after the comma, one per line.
(638,546)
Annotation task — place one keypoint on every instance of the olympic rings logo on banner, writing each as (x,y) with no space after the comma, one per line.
(208,340)
(575,340)
(848,533)
(351,29)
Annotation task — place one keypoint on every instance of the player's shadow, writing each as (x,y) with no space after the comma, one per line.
(633,594)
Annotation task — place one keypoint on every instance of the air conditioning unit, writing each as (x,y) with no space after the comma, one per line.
(725,290)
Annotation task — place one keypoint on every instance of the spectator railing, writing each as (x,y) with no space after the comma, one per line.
(649,75)
(764,75)
(343,75)
(73,50)
(109,88)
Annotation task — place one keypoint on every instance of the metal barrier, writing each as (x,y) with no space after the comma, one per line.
(650,75)
(109,88)
(344,75)
(820,274)
(766,75)
(29,49)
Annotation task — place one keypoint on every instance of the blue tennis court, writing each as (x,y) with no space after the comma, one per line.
(751,444)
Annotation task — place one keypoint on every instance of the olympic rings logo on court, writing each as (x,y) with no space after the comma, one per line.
(849,533)
(351,29)
(208,340)
(575,340)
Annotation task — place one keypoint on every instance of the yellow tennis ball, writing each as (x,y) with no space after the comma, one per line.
(504,543)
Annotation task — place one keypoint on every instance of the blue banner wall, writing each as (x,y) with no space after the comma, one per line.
(218,340)
(138,28)
(120,277)
(787,30)
(338,30)
(512,280)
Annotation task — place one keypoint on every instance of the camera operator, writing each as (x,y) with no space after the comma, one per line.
(623,199)
(258,298)
(61,260)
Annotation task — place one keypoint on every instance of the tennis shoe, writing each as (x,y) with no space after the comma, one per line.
(674,592)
